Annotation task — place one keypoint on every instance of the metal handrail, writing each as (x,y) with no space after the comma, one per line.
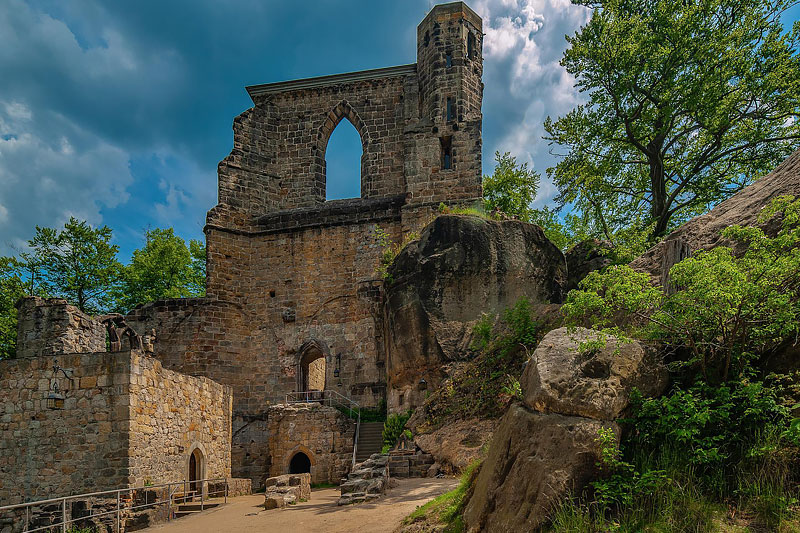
(330,397)
(116,493)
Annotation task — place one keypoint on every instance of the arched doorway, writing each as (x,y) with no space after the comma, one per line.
(312,367)
(195,470)
(299,464)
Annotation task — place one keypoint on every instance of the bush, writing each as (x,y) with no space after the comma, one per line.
(393,428)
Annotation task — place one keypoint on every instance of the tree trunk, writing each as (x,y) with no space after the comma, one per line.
(659,208)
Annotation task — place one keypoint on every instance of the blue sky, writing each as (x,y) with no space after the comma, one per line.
(118,112)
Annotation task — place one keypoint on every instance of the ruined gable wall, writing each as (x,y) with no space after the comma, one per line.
(278,158)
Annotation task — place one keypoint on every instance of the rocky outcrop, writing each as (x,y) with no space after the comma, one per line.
(703,232)
(460,267)
(286,490)
(545,448)
(585,257)
(456,444)
(368,480)
(564,377)
(535,460)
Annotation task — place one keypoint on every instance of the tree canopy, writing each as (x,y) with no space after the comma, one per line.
(511,188)
(688,102)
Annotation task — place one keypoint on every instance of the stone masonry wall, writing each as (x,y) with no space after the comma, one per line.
(171,415)
(84,447)
(49,326)
(125,421)
(322,433)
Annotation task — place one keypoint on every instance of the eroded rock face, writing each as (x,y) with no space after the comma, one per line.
(583,258)
(703,232)
(461,267)
(546,448)
(455,445)
(560,378)
(534,461)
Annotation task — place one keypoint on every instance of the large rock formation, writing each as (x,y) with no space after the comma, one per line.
(703,232)
(545,449)
(460,267)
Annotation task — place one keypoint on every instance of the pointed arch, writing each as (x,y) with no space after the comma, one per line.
(341,111)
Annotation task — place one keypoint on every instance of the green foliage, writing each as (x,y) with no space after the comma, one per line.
(446,509)
(477,211)
(393,428)
(622,484)
(390,250)
(78,263)
(687,103)
(164,268)
(12,289)
(511,188)
(485,385)
(724,308)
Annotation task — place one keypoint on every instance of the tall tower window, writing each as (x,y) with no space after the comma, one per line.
(343,157)
(447,152)
(427,38)
(471,45)
(448,59)
(449,110)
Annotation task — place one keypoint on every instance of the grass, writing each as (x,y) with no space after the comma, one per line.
(446,509)
(324,486)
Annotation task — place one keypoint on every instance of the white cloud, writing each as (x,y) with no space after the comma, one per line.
(524,83)
(46,178)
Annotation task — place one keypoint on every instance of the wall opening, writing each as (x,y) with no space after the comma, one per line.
(471,45)
(448,59)
(447,153)
(343,157)
(299,464)
(449,109)
(312,369)
(195,470)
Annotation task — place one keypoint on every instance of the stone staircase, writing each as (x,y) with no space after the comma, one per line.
(189,503)
(370,440)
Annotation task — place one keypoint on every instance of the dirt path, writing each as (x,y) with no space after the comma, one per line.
(247,514)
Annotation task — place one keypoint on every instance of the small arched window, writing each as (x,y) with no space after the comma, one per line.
(343,157)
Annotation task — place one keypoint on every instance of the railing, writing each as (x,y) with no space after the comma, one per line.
(331,398)
(124,504)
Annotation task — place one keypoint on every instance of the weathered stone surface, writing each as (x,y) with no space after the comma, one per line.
(456,444)
(322,433)
(535,460)
(368,480)
(286,490)
(703,232)
(51,326)
(560,379)
(461,266)
(126,421)
(583,258)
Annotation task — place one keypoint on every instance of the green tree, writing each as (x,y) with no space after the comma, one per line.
(511,188)
(78,263)
(723,309)
(164,268)
(12,289)
(687,103)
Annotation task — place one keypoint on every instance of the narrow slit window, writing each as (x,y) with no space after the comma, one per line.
(427,38)
(449,109)
(470,45)
(448,59)
(447,152)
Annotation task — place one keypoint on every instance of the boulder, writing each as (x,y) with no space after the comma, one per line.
(535,460)
(286,489)
(703,232)
(460,267)
(368,481)
(562,378)
(583,258)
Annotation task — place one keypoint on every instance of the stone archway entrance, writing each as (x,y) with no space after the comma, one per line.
(299,464)
(312,367)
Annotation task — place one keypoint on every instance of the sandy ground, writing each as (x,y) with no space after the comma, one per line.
(320,513)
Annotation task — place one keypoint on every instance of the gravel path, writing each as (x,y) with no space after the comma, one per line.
(320,513)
